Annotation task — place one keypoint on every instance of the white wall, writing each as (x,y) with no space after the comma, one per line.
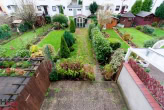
(132,94)
(85,12)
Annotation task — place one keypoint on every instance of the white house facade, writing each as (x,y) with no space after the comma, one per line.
(71,7)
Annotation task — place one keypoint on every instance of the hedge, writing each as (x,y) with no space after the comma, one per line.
(101,46)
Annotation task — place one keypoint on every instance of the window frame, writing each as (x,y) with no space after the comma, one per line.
(117,8)
(53,8)
(39,8)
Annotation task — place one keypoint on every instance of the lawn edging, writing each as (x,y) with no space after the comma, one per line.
(120,37)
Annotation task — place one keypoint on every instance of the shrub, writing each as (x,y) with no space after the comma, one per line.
(23,53)
(54,75)
(2,52)
(60,18)
(57,25)
(138,27)
(91,26)
(48,19)
(117,59)
(74,70)
(126,37)
(34,48)
(114,43)
(5,31)
(25,27)
(72,26)
(101,46)
(48,52)
(150,43)
(148,29)
(108,72)
(70,40)
(64,50)
(154,24)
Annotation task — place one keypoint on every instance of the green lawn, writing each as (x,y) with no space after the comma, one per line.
(16,44)
(53,38)
(138,37)
(158,32)
(83,47)
(114,35)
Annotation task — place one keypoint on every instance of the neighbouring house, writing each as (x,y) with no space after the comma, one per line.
(127,19)
(72,7)
(112,24)
(80,20)
(144,18)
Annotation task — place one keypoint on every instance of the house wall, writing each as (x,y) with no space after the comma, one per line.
(126,22)
(134,97)
(111,25)
(141,20)
(84,11)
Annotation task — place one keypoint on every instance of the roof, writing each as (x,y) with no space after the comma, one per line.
(152,56)
(80,15)
(128,14)
(17,21)
(74,5)
(144,13)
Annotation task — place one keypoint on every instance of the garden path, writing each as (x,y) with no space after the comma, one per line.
(84,95)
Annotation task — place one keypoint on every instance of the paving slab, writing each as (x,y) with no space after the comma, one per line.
(84,95)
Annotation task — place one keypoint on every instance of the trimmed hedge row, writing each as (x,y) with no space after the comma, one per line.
(101,46)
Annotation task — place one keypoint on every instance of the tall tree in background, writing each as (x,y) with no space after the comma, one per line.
(93,7)
(136,8)
(61,9)
(104,16)
(26,11)
(147,5)
(159,12)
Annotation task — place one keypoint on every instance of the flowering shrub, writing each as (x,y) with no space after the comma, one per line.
(117,59)
(101,46)
(74,70)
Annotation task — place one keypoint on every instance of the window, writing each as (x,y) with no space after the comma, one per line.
(9,7)
(129,19)
(126,6)
(63,7)
(78,9)
(39,8)
(86,7)
(117,8)
(70,9)
(53,8)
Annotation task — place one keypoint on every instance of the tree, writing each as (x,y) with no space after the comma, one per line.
(26,10)
(136,8)
(104,16)
(147,5)
(64,50)
(70,40)
(61,9)
(93,7)
(72,26)
(159,11)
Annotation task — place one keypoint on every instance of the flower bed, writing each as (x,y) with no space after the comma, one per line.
(155,88)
